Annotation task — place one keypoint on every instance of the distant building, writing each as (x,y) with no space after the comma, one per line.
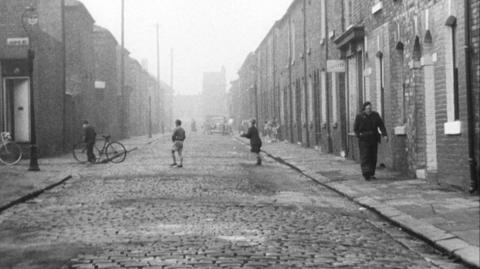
(214,96)
(187,107)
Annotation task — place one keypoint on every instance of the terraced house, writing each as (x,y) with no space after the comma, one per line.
(415,60)
(39,28)
(75,77)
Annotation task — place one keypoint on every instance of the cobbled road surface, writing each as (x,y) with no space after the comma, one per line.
(219,211)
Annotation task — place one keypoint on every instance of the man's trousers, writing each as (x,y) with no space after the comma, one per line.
(368,157)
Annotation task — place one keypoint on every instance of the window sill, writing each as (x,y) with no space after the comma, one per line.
(400,130)
(452,127)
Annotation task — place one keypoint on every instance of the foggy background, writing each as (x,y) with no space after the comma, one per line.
(205,34)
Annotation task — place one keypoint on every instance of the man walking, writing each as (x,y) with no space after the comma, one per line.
(366,127)
(89,139)
(177,138)
(255,141)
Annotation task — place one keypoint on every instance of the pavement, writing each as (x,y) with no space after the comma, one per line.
(447,219)
(18,185)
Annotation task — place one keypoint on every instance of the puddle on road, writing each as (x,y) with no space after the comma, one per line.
(251,240)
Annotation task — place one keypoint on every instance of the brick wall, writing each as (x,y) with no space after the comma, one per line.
(106,108)
(80,67)
(409,40)
(47,82)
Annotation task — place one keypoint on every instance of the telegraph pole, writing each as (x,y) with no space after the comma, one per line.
(158,85)
(150,116)
(170,94)
(171,68)
(158,53)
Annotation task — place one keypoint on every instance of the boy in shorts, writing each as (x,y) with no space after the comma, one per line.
(177,138)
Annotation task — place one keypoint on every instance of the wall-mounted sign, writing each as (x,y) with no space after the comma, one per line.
(100,84)
(336,66)
(17,41)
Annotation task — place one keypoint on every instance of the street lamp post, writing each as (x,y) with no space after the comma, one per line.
(32,20)
(149,116)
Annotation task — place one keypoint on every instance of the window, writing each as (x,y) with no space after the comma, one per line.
(303,102)
(451,70)
(292,49)
(380,83)
(311,100)
(401,79)
(294,101)
(334,98)
(323,96)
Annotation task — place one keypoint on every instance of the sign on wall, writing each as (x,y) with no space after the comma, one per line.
(17,41)
(100,84)
(336,66)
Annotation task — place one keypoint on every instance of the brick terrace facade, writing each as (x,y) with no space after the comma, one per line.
(73,80)
(46,40)
(324,58)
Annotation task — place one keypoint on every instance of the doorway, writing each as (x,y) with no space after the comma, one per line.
(17,108)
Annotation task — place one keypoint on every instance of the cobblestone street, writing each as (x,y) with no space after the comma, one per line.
(219,211)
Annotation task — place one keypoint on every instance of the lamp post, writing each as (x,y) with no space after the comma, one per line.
(150,116)
(31,20)
(123,123)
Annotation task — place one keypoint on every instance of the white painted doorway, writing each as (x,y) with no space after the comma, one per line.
(17,108)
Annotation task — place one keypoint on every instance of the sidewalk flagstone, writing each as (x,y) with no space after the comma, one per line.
(447,218)
(17,183)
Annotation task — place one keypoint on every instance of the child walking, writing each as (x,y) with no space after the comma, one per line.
(177,138)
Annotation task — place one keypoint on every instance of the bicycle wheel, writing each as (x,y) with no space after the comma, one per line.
(10,153)
(80,152)
(116,152)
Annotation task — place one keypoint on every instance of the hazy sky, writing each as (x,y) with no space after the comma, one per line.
(205,34)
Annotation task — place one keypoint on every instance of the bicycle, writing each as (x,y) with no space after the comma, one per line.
(113,150)
(10,152)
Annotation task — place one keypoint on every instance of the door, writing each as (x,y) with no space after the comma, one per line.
(17,108)
(304,114)
(354,95)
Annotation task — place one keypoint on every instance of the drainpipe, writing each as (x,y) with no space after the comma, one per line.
(305,74)
(64,79)
(332,76)
(470,103)
(290,88)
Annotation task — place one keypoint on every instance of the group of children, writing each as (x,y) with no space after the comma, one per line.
(178,137)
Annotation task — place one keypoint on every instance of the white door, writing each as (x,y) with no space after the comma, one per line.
(19,109)
(352,101)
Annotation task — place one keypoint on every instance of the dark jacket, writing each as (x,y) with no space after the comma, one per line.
(252,134)
(178,134)
(366,127)
(89,134)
